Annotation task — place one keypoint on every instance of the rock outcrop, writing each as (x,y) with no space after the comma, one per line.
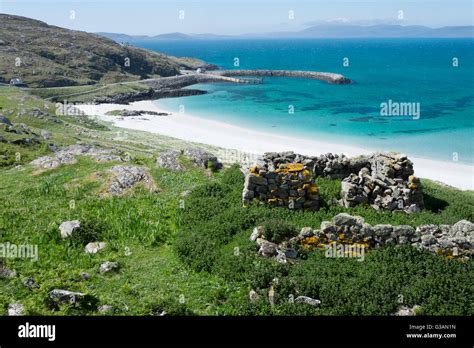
(170,160)
(134,113)
(4,120)
(198,157)
(30,283)
(202,158)
(126,97)
(29,137)
(68,155)
(126,177)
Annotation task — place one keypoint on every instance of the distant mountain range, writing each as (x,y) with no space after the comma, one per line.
(330,31)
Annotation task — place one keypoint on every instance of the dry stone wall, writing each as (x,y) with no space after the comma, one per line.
(330,165)
(452,241)
(290,185)
(386,183)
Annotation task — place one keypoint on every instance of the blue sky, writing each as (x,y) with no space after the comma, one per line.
(151,17)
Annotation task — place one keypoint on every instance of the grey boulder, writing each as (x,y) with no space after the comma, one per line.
(94,247)
(15,309)
(59,296)
(308,300)
(109,266)
(5,120)
(67,228)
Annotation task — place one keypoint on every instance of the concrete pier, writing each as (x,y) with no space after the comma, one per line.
(189,78)
(323,76)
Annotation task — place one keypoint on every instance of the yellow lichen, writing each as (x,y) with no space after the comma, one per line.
(310,242)
(313,189)
(254,170)
(290,168)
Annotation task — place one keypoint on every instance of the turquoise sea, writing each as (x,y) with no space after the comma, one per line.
(402,70)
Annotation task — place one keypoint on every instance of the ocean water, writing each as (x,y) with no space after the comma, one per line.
(418,71)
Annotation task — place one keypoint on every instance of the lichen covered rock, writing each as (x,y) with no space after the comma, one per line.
(126,177)
(202,158)
(170,160)
(68,155)
(198,157)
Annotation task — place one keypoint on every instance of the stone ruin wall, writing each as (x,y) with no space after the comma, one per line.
(290,185)
(453,241)
(383,180)
(386,183)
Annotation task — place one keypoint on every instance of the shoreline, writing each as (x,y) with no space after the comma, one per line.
(195,129)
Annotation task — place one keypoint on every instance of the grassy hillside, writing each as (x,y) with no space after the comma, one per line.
(79,94)
(178,254)
(47,56)
(18,105)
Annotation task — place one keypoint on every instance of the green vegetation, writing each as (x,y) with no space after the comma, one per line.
(81,94)
(17,104)
(277,230)
(214,225)
(192,255)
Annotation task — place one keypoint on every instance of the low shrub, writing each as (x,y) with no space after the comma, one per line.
(91,231)
(214,232)
(168,306)
(277,230)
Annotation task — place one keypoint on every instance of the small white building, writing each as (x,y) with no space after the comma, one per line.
(17,82)
(200,70)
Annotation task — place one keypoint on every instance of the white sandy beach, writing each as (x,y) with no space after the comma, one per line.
(195,129)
